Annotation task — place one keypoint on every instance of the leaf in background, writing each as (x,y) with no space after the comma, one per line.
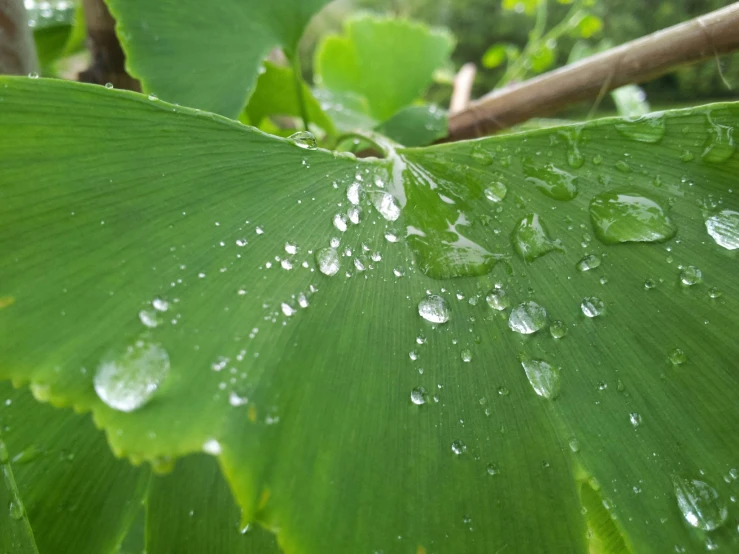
(76,493)
(542,58)
(494,56)
(444,375)
(218,71)
(349,111)
(416,125)
(275,95)
(589,25)
(58,31)
(388,61)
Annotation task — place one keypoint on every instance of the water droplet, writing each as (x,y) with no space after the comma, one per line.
(719,144)
(492,469)
(304,139)
(466,355)
(713,292)
(531,240)
(724,229)
(385,203)
(553,182)
(328,261)
(481,155)
(496,192)
(690,276)
(677,357)
(340,222)
(418,396)
(391,236)
(33,75)
(574,445)
(236,399)
(592,306)
(635,419)
(127,382)
(212,447)
(290,248)
(434,308)
(354,214)
(649,284)
(543,377)
(287,309)
(527,318)
(15,509)
(459,447)
(558,329)
(149,318)
(629,217)
(647,128)
(503,391)
(153,97)
(3,453)
(588,262)
(498,299)
(700,504)
(160,305)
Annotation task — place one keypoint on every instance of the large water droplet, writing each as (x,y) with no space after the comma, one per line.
(304,139)
(434,308)
(588,262)
(527,318)
(418,396)
(531,240)
(498,299)
(592,306)
(700,504)
(724,229)
(459,447)
(128,381)
(647,128)
(629,217)
(554,182)
(543,377)
(340,222)
(328,261)
(386,204)
(691,275)
(496,192)
(719,144)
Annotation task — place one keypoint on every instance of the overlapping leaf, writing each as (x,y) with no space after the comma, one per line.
(343,419)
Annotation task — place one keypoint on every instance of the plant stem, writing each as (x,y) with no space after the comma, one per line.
(297,74)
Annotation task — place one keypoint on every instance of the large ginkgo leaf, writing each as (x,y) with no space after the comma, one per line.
(519,344)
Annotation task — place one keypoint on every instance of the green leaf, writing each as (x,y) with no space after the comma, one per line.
(218,71)
(74,491)
(348,111)
(416,125)
(388,61)
(16,534)
(589,25)
(543,58)
(495,55)
(58,31)
(192,511)
(275,95)
(164,250)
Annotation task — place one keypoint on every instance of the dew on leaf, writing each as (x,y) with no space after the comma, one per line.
(386,204)
(481,155)
(15,509)
(212,447)
(700,504)
(160,305)
(649,284)
(418,396)
(629,217)
(543,377)
(340,222)
(391,236)
(236,399)
(691,275)
(354,193)
(724,229)
(719,145)
(492,469)
(328,261)
(503,391)
(677,357)
(466,355)
(592,306)
(304,139)
(554,182)
(496,192)
(498,299)
(531,240)
(635,419)
(149,318)
(574,445)
(588,262)
(527,318)
(647,128)
(3,453)
(434,308)
(459,447)
(558,329)
(290,248)
(713,292)
(127,382)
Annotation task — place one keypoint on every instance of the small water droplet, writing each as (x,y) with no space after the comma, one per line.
(434,308)
(713,292)
(33,75)
(558,329)
(15,509)
(418,396)
(466,355)
(391,236)
(153,97)
(149,318)
(724,229)
(481,155)
(531,240)
(592,306)
(649,284)
(629,217)
(287,309)
(700,504)
(459,447)
(496,192)
(503,391)
(492,469)
(719,144)
(648,128)
(236,399)
(543,377)
(340,222)
(304,139)
(574,445)
(588,262)
(498,299)
(677,357)
(635,419)
(328,261)
(527,318)
(690,276)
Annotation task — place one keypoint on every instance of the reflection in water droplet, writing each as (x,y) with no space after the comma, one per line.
(592,306)
(649,284)
(304,139)
(127,382)
(558,329)
(418,396)
(588,262)
(554,182)
(149,318)
(719,144)
(629,217)
(574,445)
(386,204)
(340,222)
(543,377)
(635,419)
(531,240)
(713,292)
(724,229)
(466,355)
(328,261)
(354,193)
(458,447)
(527,318)
(677,357)
(498,299)
(700,504)
(434,308)
(647,128)
(496,192)
(160,305)
(690,276)
(503,391)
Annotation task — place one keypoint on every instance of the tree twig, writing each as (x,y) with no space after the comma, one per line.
(17,49)
(462,90)
(108,60)
(708,36)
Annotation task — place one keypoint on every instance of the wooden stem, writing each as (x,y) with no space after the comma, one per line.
(462,91)
(705,37)
(17,49)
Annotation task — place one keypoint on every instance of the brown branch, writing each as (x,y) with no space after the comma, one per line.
(108,60)
(462,91)
(17,49)
(708,36)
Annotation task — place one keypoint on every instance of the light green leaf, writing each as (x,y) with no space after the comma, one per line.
(16,534)
(75,493)
(191,511)
(495,55)
(416,125)
(58,32)
(275,94)
(543,58)
(217,71)
(348,111)
(165,250)
(589,25)
(388,61)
